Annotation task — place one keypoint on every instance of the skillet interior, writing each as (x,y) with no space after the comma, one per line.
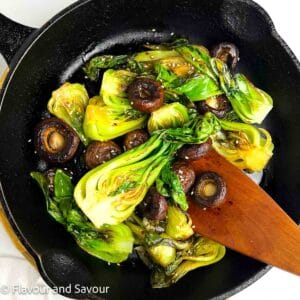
(117,26)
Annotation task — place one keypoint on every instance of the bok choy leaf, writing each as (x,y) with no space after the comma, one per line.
(112,243)
(91,69)
(172,183)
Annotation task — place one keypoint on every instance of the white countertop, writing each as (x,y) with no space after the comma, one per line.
(275,285)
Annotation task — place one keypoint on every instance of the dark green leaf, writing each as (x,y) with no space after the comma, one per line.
(52,205)
(231,116)
(134,66)
(103,62)
(161,188)
(199,88)
(168,78)
(171,180)
(63,186)
(179,42)
(199,57)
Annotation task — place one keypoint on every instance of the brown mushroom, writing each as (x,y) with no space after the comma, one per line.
(135,138)
(55,141)
(194,151)
(227,52)
(218,105)
(154,206)
(145,94)
(185,174)
(209,190)
(99,152)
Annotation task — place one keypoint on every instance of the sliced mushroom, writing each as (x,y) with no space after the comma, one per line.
(154,206)
(145,94)
(55,141)
(195,151)
(218,105)
(99,152)
(209,190)
(185,174)
(227,52)
(135,138)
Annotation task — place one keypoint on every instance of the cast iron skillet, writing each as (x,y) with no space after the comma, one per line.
(54,53)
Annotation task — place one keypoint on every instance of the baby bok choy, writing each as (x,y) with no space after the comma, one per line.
(175,250)
(250,103)
(110,115)
(68,103)
(203,252)
(111,243)
(109,193)
(168,116)
(244,145)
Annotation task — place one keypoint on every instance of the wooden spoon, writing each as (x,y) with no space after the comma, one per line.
(249,221)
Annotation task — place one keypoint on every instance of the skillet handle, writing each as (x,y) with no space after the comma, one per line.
(12,36)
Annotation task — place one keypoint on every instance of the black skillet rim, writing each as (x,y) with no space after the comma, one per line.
(16,60)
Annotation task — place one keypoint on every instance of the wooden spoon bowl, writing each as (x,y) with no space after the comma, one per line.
(249,220)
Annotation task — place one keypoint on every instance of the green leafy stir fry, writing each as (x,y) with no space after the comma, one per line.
(155,103)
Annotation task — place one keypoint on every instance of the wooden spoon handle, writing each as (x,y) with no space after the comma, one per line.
(249,221)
